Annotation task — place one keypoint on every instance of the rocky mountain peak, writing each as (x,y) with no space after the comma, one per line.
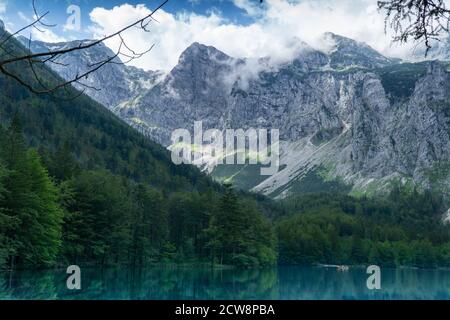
(346,52)
(198,66)
(344,43)
(201,52)
(2,25)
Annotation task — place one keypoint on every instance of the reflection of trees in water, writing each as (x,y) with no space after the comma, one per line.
(179,283)
(184,283)
(244,284)
(29,285)
(421,284)
(189,283)
(316,283)
(4,287)
(323,283)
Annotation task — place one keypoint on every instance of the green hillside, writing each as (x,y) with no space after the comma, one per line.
(96,137)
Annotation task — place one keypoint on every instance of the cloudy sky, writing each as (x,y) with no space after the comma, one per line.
(240,28)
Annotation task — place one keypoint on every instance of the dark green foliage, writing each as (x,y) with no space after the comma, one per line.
(97,217)
(149,225)
(31,216)
(314,183)
(242,176)
(402,229)
(239,234)
(5,220)
(189,216)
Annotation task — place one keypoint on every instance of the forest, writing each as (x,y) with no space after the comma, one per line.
(55,212)
(403,228)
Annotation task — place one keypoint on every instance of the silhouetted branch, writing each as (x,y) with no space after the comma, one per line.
(42,58)
(424,21)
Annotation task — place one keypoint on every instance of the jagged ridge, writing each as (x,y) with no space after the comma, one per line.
(350,113)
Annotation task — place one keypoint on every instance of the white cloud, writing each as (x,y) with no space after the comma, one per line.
(272,34)
(42,33)
(253,8)
(47,35)
(2,6)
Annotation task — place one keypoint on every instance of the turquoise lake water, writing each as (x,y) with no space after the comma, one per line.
(182,283)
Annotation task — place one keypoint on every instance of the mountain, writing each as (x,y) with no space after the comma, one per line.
(345,53)
(209,85)
(97,138)
(343,127)
(97,193)
(78,185)
(192,90)
(350,119)
(110,85)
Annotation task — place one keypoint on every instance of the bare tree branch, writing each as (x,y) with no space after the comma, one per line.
(42,58)
(424,21)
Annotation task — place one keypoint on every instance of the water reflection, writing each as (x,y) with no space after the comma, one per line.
(178,283)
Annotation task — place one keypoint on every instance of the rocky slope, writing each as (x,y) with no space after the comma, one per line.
(350,119)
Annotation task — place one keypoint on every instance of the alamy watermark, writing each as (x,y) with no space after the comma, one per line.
(374,280)
(73,22)
(230,147)
(74,280)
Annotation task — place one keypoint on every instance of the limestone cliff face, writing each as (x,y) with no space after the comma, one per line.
(349,114)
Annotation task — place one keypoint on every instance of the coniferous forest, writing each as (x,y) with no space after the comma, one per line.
(55,212)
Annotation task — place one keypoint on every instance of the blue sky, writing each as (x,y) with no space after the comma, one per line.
(16,11)
(240,28)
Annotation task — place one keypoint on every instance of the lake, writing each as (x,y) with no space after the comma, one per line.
(182,283)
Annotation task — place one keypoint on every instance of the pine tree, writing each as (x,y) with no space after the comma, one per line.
(148,226)
(229,226)
(6,222)
(30,204)
(13,148)
(98,221)
(63,165)
(43,216)
(239,234)
(13,154)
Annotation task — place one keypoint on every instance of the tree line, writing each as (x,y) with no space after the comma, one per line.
(404,228)
(54,212)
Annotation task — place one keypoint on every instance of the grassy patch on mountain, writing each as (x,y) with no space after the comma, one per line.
(243,177)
